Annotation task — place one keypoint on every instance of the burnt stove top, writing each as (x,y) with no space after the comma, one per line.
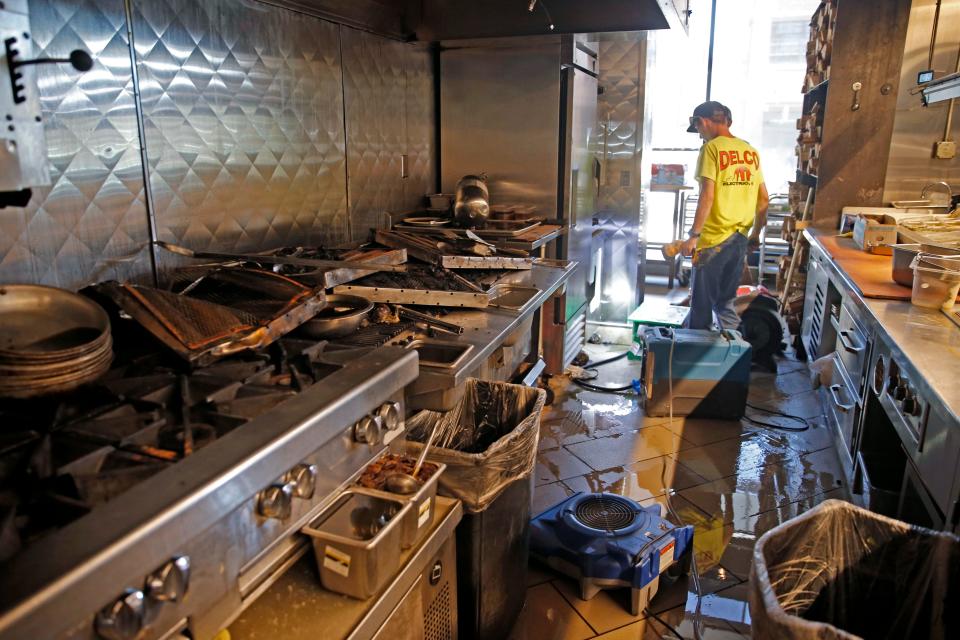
(62,457)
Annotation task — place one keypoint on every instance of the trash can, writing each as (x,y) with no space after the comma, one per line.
(489,444)
(839,571)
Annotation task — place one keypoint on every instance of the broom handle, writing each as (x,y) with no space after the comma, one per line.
(796,246)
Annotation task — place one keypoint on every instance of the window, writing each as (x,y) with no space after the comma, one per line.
(788,41)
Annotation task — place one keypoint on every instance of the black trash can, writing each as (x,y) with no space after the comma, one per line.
(489,444)
(839,571)
(492,551)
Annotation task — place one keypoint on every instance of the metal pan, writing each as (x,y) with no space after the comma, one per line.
(45,323)
(340,317)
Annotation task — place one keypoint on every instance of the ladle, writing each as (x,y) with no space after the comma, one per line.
(406,483)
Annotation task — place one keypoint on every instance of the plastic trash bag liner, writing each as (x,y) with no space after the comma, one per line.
(839,571)
(487,441)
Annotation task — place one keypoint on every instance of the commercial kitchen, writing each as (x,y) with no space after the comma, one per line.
(366,319)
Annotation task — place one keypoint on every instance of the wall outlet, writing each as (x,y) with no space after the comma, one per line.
(945,149)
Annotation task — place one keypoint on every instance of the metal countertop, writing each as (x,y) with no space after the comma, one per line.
(486,329)
(927,338)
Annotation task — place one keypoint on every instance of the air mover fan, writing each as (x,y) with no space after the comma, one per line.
(609,541)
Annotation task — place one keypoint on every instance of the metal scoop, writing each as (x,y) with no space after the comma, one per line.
(405,483)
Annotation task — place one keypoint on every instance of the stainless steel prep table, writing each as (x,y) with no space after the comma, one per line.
(926,337)
(489,330)
(926,345)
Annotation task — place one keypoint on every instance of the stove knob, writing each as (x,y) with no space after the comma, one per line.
(369,430)
(170,582)
(122,620)
(275,501)
(900,392)
(303,477)
(911,403)
(391,414)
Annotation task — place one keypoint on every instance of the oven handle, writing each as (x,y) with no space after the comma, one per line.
(848,343)
(834,391)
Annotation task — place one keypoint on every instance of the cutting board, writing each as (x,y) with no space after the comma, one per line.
(872,274)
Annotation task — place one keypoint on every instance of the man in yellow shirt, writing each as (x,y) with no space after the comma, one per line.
(733,199)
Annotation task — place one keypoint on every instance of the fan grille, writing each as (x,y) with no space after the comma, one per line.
(605,513)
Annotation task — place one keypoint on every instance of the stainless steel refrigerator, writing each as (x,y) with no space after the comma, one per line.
(524,111)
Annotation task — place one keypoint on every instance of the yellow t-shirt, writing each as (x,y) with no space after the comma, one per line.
(734,167)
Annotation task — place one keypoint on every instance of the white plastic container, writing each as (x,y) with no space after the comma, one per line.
(936,282)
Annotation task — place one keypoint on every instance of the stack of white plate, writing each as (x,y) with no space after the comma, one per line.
(51,340)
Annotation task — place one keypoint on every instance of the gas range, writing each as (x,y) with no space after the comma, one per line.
(162,499)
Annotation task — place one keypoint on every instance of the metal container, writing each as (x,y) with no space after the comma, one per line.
(357,542)
(903,255)
(472,205)
(416,522)
(513,297)
(440,354)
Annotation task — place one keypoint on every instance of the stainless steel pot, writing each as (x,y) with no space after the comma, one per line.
(903,255)
(472,205)
(340,317)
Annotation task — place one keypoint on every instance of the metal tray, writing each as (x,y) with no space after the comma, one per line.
(485,262)
(483,233)
(426,297)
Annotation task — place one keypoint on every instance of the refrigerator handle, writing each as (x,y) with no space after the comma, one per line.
(597,167)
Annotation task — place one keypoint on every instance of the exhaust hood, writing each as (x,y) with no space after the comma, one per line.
(435,20)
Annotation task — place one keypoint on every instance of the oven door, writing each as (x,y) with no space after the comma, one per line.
(852,347)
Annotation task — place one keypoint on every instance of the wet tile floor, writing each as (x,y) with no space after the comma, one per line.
(731,480)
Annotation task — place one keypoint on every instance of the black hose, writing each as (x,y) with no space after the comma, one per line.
(591,365)
(774,412)
(594,387)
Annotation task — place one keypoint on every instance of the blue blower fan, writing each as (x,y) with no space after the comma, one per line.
(608,541)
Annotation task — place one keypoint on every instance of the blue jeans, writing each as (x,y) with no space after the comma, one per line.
(713,285)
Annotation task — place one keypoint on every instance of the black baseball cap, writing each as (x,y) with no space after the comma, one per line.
(709,109)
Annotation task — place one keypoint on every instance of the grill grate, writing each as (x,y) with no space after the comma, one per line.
(605,513)
(195,323)
(375,335)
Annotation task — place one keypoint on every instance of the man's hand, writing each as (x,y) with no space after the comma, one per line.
(688,247)
(753,243)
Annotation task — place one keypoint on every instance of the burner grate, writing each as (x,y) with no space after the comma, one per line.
(605,513)
(375,335)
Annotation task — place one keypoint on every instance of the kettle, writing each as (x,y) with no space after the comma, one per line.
(471,206)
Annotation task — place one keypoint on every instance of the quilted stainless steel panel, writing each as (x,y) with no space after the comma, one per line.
(243,117)
(421,126)
(90,223)
(374,90)
(620,111)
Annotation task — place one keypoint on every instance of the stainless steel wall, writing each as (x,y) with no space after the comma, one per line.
(248,135)
(91,222)
(388,91)
(916,128)
(621,113)
(500,114)
(242,110)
